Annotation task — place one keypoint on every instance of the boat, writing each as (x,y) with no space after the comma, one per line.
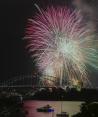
(46,108)
(62,114)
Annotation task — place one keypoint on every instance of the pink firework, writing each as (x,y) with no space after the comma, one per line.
(59,41)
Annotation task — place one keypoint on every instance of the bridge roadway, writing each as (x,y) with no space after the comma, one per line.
(25,86)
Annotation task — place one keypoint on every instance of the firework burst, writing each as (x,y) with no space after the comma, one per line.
(61,44)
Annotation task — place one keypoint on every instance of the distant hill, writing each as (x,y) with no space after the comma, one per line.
(68,95)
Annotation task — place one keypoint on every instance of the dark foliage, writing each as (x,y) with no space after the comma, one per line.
(88,109)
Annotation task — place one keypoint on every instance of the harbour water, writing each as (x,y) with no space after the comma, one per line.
(71,107)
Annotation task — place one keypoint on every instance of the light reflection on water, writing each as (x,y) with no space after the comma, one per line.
(70,107)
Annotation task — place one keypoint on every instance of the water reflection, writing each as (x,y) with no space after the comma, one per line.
(68,106)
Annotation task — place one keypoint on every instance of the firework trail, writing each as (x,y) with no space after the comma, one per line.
(61,44)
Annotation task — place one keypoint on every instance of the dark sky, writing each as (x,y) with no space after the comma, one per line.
(14,15)
(15,58)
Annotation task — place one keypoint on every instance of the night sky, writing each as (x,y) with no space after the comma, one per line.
(15,58)
(16,61)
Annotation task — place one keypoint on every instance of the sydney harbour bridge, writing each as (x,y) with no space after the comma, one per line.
(33,81)
(21,81)
(27,81)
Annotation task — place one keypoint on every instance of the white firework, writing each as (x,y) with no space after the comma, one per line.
(62,44)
